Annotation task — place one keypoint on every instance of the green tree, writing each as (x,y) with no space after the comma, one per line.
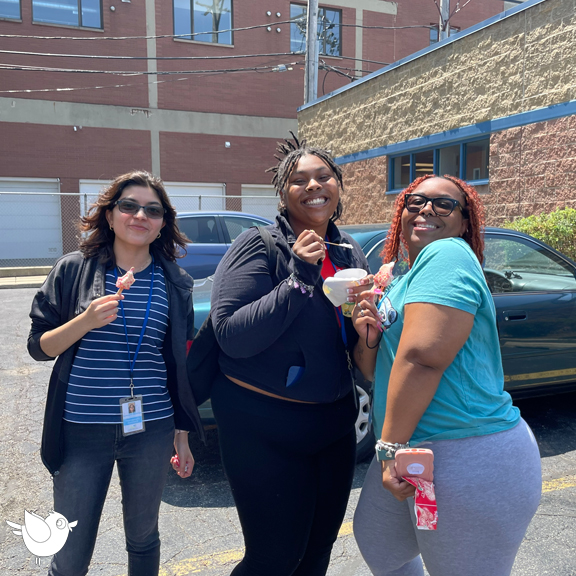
(557,229)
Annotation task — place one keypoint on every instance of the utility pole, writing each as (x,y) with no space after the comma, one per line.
(444,27)
(311,68)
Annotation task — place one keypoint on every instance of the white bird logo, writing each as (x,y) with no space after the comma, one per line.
(43,537)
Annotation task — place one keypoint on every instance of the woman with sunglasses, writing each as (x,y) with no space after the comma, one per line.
(119,387)
(438,384)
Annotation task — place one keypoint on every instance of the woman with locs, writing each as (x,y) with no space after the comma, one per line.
(439,384)
(112,349)
(284,400)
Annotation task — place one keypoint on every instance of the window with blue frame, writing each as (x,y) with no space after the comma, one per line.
(204,20)
(83,13)
(10,9)
(329,37)
(466,160)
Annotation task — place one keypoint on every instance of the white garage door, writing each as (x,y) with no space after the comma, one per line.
(188,196)
(30,221)
(185,196)
(260,200)
(89,190)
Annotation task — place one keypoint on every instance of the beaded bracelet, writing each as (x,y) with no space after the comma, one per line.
(295,282)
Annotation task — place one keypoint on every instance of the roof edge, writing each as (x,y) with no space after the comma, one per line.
(458,36)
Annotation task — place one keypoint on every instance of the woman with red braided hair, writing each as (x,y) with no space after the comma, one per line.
(439,384)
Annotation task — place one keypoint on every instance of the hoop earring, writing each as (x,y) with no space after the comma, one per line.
(158,236)
(111,227)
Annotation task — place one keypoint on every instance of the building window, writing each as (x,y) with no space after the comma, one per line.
(84,13)
(435,32)
(205,19)
(477,160)
(329,37)
(10,9)
(466,160)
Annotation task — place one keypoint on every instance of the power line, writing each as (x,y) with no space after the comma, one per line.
(133,73)
(181,36)
(108,57)
(229,57)
(73,89)
(192,34)
(388,27)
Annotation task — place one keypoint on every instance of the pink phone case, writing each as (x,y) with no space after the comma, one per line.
(415,462)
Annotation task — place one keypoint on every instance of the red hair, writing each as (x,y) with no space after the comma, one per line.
(396,248)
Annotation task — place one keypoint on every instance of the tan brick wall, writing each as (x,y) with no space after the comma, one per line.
(524,62)
(363,198)
(532,171)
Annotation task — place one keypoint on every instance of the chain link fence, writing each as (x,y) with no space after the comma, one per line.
(36,228)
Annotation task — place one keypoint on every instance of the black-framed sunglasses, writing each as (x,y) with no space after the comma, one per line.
(440,206)
(127,206)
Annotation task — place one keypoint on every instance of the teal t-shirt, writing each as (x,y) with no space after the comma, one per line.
(470,399)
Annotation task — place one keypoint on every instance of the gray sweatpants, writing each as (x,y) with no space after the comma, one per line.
(487,490)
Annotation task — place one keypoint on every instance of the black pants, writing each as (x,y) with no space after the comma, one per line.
(90,451)
(290,467)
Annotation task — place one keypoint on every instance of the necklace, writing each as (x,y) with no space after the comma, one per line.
(140,268)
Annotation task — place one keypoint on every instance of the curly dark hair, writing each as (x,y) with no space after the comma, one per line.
(288,153)
(395,247)
(99,238)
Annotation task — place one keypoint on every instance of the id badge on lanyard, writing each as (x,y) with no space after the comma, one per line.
(132,407)
(132,415)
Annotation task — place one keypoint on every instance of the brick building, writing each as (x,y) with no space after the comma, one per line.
(209,134)
(494,105)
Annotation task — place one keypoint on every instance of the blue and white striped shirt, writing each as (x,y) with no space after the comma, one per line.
(100,374)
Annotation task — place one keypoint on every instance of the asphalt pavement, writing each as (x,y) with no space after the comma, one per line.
(198,522)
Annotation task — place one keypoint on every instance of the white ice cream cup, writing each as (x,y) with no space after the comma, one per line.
(336,287)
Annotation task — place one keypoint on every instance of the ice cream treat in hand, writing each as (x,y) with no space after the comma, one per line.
(383,277)
(124,282)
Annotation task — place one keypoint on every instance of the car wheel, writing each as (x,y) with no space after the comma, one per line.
(364,433)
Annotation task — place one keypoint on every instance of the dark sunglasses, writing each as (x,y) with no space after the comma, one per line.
(130,207)
(440,206)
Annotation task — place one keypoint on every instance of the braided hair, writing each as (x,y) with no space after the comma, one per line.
(288,153)
(396,248)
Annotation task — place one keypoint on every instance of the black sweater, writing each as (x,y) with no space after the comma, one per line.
(264,327)
(68,290)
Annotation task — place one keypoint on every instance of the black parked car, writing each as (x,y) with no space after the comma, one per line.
(534,290)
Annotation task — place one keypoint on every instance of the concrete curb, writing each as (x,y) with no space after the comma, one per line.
(23,276)
(22,282)
(18,271)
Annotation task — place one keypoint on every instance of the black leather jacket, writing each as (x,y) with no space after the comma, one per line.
(68,290)
(271,335)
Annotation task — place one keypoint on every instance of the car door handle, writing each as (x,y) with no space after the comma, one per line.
(511,315)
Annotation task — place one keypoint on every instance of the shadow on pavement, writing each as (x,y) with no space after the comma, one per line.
(208,487)
(553,421)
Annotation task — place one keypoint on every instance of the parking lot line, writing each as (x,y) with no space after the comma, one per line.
(559,484)
(217,560)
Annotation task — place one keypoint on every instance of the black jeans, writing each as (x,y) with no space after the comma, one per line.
(290,467)
(80,488)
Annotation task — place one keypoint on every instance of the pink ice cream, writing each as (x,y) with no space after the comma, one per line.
(383,277)
(124,282)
